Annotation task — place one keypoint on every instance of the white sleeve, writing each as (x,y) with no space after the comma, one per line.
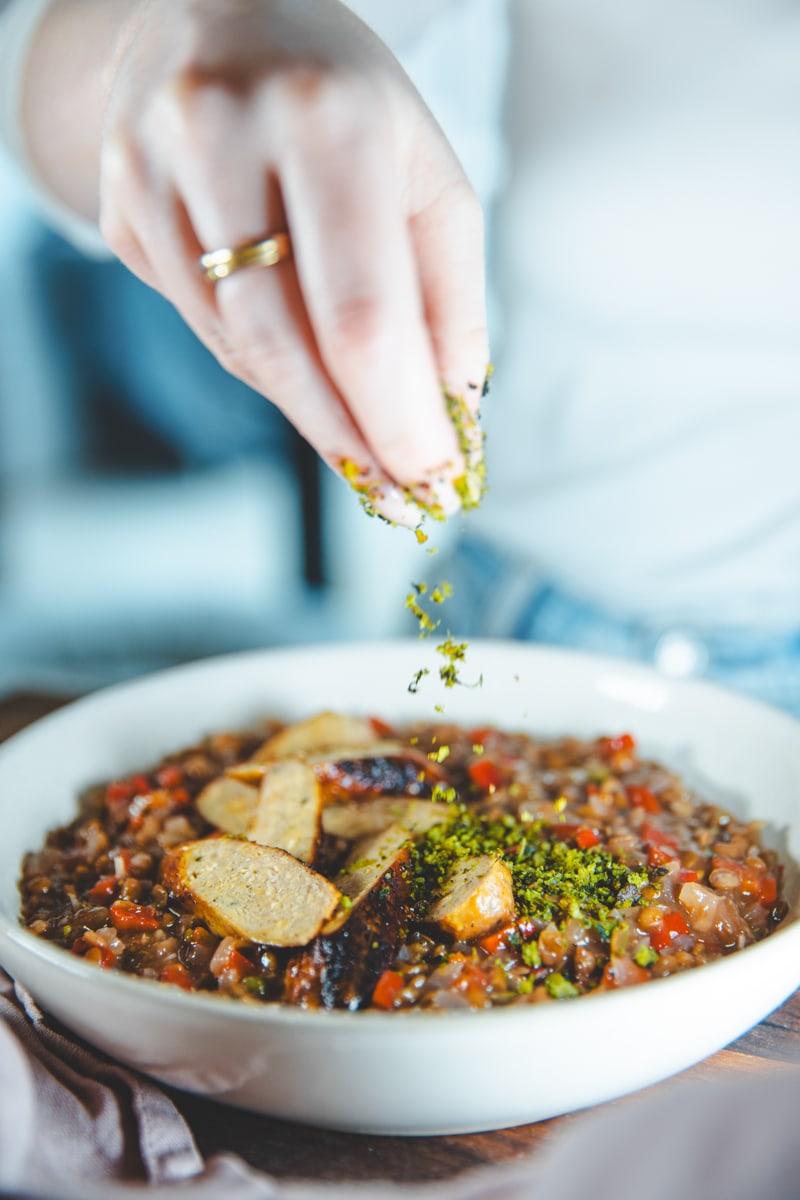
(19,21)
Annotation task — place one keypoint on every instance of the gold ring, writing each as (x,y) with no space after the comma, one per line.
(266,252)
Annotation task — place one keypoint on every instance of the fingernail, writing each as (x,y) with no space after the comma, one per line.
(436,497)
(394,504)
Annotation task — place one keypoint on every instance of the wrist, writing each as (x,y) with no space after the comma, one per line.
(63,90)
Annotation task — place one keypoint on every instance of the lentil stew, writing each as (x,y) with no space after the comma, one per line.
(339,862)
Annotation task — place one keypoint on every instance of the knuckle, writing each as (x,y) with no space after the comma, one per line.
(328,100)
(270,359)
(356,327)
(222,350)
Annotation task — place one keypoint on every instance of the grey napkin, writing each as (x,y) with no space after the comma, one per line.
(74,1126)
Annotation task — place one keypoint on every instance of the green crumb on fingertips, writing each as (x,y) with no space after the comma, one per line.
(471,485)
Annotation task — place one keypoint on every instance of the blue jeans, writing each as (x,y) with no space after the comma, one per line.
(497,595)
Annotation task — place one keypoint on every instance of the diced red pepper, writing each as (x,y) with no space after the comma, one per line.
(617,750)
(487,774)
(750,881)
(382,728)
(479,736)
(122,861)
(118,790)
(685,876)
(474,982)
(498,940)
(671,926)
(104,890)
(661,847)
(659,837)
(127,915)
(643,797)
(519,931)
(228,965)
(387,989)
(140,784)
(102,955)
(564,830)
(169,776)
(178,974)
(118,797)
(582,835)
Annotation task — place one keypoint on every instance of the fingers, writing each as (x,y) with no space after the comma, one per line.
(381,301)
(361,399)
(448,240)
(255,321)
(360,286)
(148,228)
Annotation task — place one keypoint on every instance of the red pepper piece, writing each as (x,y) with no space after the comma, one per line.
(479,736)
(228,965)
(662,847)
(618,750)
(169,776)
(582,835)
(382,728)
(387,989)
(487,774)
(118,797)
(768,892)
(104,890)
(178,974)
(118,790)
(127,915)
(657,857)
(103,956)
(643,797)
(499,940)
(564,830)
(671,926)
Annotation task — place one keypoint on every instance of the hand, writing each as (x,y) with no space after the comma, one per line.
(231,119)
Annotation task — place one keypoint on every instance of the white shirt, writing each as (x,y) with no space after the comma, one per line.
(644,422)
(645,425)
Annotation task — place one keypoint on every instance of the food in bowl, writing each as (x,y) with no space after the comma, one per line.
(338,862)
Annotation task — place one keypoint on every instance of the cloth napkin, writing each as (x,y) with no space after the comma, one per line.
(75,1126)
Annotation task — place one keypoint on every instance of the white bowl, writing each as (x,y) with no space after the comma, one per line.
(417,1072)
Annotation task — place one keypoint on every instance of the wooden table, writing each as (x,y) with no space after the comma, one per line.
(294,1151)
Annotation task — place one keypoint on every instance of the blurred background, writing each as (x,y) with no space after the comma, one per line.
(152,508)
